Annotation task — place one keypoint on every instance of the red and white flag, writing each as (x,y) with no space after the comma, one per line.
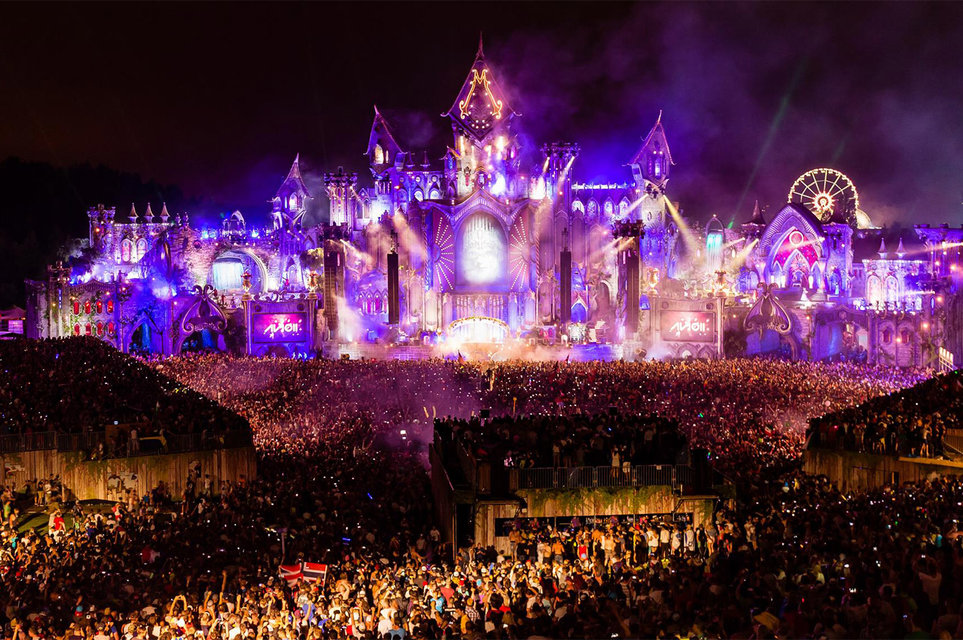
(314,572)
(307,571)
(291,573)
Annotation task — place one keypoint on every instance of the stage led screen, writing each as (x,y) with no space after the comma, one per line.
(688,326)
(228,274)
(279,327)
(483,256)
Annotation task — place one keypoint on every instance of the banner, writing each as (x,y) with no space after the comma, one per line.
(308,571)
(279,327)
(314,572)
(688,326)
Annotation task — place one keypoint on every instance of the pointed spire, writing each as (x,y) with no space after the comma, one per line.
(757,215)
(295,167)
(164,216)
(149,215)
(293,182)
(133,213)
(381,135)
(653,160)
(481,103)
(481,49)
(424,160)
(882,248)
(900,252)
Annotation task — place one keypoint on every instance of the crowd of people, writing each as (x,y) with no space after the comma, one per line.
(749,413)
(792,557)
(605,439)
(910,422)
(83,385)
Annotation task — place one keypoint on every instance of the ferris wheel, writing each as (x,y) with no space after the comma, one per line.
(825,192)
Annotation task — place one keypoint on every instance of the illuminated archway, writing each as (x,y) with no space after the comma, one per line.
(203,341)
(793,256)
(228,268)
(479,329)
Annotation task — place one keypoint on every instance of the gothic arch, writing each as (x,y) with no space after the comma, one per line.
(624,206)
(259,274)
(874,290)
(592,210)
(790,216)
(892,289)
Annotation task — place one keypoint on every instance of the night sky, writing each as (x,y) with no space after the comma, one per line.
(217,98)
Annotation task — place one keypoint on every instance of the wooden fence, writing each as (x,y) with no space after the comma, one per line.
(109,479)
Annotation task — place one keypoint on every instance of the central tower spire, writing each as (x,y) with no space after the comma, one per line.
(481,106)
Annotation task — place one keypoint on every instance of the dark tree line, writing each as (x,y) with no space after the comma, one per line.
(43,206)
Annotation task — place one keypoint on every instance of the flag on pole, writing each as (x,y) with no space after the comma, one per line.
(307,571)
(291,573)
(314,572)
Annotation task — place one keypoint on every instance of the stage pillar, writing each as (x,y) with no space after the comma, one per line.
(629,271)
(394,312)
(565,283)
(333,285)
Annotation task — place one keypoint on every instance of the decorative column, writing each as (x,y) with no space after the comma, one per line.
(57,292)
(122,293)
(312,308)
(246,303)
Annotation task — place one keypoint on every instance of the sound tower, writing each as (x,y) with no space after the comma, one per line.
(565,282)
(631,258)
(333,285)
(394,308)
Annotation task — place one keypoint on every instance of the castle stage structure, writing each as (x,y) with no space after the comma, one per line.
(494,243)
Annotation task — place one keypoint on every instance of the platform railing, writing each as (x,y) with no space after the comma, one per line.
(90,443)
(39,441)
(592,477)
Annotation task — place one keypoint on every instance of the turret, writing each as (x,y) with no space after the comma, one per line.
(558,160)
(650,169)
(383,148)
(100,219)
(292,196)
(651,164)
(343,199)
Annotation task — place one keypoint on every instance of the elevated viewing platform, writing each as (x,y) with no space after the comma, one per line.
(478,489)
(100,423)
(906,436)
(857,471)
